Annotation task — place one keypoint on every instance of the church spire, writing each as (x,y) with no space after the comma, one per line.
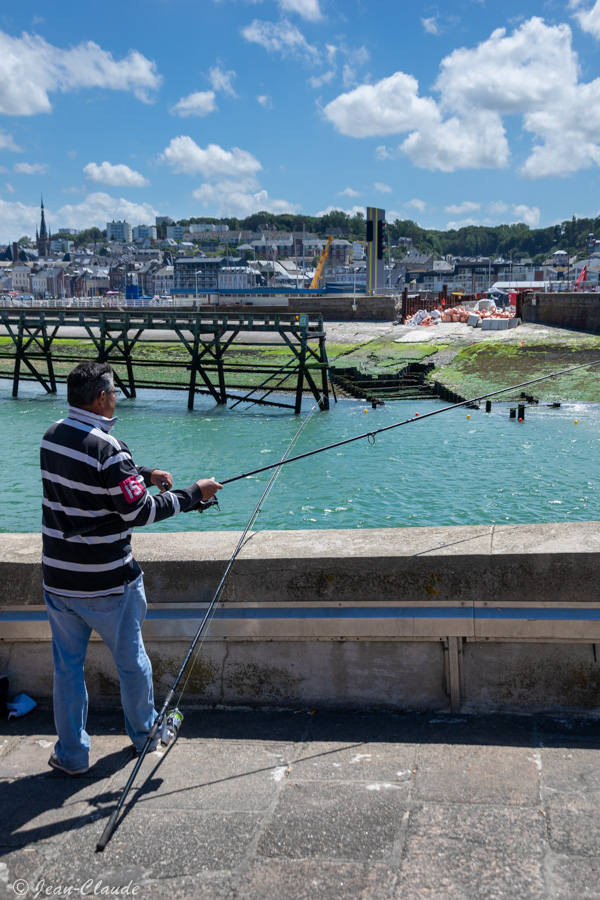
(43,237)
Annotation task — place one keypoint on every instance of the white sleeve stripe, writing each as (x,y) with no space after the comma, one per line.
(72,454)
(75,485)
(176,504)
(127,517)
(76,510)
(152,515)
(82,539)
(86,567)
(91,429)
(117,458)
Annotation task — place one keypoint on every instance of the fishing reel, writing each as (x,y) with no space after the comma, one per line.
(170,726)
(203,505)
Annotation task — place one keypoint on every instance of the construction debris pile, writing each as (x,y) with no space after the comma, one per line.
(481,315)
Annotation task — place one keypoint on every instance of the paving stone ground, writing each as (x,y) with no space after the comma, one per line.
(271,805)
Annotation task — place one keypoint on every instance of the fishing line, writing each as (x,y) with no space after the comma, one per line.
(238,548)
(158,722)
(369,435)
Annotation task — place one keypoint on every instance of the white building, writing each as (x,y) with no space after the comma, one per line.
(119,231)
(144,232)
(60,245)
(164,280)
(21,278)
(236,278)
(176,232)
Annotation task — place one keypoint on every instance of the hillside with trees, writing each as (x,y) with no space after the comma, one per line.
(517,240)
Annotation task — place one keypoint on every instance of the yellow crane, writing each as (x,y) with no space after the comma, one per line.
(315,282)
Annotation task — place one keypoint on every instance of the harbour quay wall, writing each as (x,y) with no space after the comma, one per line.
(501,617)
(333,307)
(579,311)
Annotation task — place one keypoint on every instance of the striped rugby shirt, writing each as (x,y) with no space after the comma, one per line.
(88,474)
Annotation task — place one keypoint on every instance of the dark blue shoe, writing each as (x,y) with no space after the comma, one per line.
(54,762)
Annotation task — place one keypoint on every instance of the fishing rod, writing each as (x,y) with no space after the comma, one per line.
(370,435)
(168,721)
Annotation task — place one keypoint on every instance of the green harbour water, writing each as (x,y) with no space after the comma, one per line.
(444,470)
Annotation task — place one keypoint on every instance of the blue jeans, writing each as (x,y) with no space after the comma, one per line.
(117,618)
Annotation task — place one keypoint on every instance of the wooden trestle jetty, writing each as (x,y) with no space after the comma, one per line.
(116,336)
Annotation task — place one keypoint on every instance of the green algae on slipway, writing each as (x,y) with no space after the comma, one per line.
(469,363)
(483,368)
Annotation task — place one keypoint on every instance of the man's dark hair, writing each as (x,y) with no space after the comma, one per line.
(87,380)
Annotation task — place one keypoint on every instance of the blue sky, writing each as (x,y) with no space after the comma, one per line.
(469,111)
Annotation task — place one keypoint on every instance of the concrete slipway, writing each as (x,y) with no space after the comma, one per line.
(297,804)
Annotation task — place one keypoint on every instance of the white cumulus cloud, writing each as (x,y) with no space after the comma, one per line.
(390,106)
(185,156)
(99,208)
(588,18)
(532,72)
(530,215)
(317,81)
(510,73)
(230,187)
(222,80)
(383,188)
(417,204)
(465,223)
(308,9)
(280,37)
(199,103)
(349,192)
(567,135)
(30,168)
(96,209)
(240,198)
(118,175)
(430,25)
(476,142)
(349,212)
(31,69)
(465,207)
(7,143)
(17,219)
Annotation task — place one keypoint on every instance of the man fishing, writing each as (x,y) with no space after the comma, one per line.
(93,582)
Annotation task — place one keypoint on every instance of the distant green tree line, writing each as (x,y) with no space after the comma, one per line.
(517,240)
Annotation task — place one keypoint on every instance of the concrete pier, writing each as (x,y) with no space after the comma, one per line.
(498,617)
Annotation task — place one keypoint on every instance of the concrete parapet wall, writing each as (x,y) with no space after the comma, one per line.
(579,311)
(482,616)
(333,307)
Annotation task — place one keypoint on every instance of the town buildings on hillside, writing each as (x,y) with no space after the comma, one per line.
(166,258)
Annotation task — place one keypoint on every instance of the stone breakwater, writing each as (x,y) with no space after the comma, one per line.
(480,617)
